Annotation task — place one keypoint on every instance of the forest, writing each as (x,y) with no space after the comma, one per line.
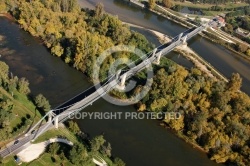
(239,18)
(76,35)
(216,114)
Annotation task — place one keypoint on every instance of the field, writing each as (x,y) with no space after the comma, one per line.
(23,110)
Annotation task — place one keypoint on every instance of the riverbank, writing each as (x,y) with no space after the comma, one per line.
(188,53)
(7,15)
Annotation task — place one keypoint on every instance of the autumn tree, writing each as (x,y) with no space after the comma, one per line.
(99,10)
(167,3)
(151,4)
(235,82)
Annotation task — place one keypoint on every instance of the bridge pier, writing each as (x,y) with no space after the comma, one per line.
(184,42)
(50,117)
(179,37)
(121,85)
(118,74)
(56,122)
(157,62)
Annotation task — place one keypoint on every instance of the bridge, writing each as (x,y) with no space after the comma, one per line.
(86,98)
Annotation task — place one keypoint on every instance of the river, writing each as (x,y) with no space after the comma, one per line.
(137,142)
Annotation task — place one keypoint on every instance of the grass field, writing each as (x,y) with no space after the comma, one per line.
(23,109)
(56,132)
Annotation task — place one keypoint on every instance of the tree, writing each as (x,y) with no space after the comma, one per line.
(228,28)
(23,86)
(151,4)
(167,3)
(99,10)
(73,127)
(248,52)
(42,103)
(4,70)
(241,47)
(119,162)
(77,154)
(57,50)
(53,148)
(2,7)
(235,82)
(97,142)
(197,19)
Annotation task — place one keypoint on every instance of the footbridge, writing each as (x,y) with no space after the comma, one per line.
(86,98)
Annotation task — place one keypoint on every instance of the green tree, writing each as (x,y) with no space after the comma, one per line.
(118,162)
(23,86)
(4,70)
(97,143)
(53,148)
(77,154)
(73,127)
(42,103)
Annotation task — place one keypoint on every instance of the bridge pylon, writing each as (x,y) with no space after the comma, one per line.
(118,74)
(121,84)
(56,122)
(50,116)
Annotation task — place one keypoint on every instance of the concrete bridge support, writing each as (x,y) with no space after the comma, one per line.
(118,74)
(56,122)
(184,42)
(50,117)
(157,62)
(121,85)
(179,37)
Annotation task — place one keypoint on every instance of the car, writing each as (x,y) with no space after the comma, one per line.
(33,131)
(16,142)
